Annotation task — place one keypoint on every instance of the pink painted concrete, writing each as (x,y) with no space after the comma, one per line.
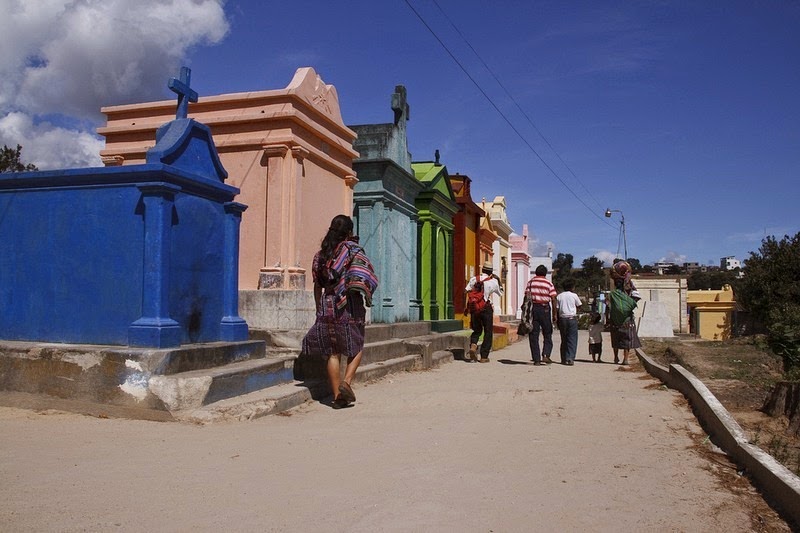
(520,269)
(289,152)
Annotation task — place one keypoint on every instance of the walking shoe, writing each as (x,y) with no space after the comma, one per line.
(548,360)
(471,356)
(536,363)
(570,363)
(484,359)
(346,392)
(340,403)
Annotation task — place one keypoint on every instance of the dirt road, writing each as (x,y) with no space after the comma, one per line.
(504,446)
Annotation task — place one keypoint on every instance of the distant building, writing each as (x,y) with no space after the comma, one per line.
(692,267)
(663,266)
(729,263)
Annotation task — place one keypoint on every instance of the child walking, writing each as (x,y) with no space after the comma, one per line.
(596,338)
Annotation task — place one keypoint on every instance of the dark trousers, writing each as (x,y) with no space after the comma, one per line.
(482,323)
(543,322)
(568,327)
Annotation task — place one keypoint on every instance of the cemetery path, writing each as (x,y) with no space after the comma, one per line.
(504,446)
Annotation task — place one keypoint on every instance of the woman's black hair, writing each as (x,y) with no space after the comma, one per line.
(340,229)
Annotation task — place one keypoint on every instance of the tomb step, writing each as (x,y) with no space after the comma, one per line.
(187,390)
(375,352)
(398,330)
(310,366)
(372,333)
(283,397)
(203,356)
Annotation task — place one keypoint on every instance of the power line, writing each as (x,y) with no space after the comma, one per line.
(530,121)
(500,112)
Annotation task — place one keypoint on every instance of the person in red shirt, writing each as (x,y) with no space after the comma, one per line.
(545,313)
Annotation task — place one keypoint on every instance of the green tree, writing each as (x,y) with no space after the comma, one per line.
(636,266)
(714,280)
(10,160)
(591,278)
(770,290)
(562,269)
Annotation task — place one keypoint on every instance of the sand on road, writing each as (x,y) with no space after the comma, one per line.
(504,446)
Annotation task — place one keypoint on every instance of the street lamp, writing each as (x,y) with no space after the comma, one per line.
(622,225)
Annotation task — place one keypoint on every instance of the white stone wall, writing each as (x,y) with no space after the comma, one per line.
(671,293)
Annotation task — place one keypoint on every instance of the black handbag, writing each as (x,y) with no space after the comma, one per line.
(526,317)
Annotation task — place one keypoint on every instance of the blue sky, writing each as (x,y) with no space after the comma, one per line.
(685,116)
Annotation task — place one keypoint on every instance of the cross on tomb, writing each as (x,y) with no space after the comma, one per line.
(184,92)
(400,105)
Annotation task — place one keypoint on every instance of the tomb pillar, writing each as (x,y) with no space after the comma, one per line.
(155,327)
(415,301)
(232,327)
(433,271)
(281,269)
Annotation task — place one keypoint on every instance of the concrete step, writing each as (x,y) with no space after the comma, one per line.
(372,333)
(399,330)
(204,356)
(283,397)
(190,390)
(427,351)
(310,366)
(164,383)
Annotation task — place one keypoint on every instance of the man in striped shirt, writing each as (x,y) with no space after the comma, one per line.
(545,314)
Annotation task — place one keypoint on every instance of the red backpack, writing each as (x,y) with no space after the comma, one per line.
(475,300)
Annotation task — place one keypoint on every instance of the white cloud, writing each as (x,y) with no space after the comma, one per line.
(49,146)
(673,257)
(539,249)
(606,257)
(63,60)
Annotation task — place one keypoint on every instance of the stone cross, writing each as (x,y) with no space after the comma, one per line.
(400,106)
(184,92)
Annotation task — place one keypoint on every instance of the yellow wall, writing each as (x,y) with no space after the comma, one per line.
(712,313)
(713,324)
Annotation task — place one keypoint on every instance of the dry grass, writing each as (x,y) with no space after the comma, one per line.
(740,373)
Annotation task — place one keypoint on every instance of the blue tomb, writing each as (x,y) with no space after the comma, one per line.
(385,214)
(141,255)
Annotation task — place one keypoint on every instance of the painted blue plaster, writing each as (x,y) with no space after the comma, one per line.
(135,255)
(385,214)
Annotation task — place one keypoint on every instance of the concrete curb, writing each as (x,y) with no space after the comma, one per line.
(776,481)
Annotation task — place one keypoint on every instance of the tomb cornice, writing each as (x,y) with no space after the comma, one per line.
(502,227)
(342,144)
(250,105)
(136,154)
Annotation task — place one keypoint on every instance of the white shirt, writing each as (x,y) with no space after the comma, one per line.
(568,303)
(490,285)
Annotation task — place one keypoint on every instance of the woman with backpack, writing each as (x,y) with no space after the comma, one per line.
(621,321)
(344,281)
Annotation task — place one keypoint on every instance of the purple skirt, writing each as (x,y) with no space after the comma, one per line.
(624,337)
(337,331)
